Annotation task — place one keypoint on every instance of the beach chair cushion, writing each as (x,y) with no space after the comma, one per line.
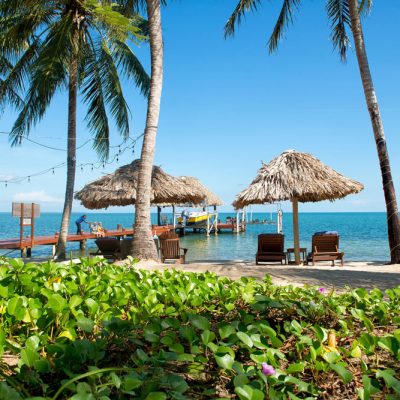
(270,248)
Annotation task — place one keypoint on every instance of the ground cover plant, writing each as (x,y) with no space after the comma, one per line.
(97,331)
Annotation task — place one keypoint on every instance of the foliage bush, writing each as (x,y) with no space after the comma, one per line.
(97,331)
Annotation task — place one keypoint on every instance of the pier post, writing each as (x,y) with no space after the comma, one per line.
(29,252)
(82,245)
(23,252)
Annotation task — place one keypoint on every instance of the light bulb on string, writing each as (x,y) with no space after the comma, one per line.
(6,183)
(92,167)
(81,167)
(29,178)
(53,171)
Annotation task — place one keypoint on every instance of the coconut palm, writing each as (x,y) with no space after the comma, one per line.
(143,246)
(78,45)
(344,15)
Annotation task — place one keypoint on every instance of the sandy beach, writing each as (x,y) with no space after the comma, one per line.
(367,275)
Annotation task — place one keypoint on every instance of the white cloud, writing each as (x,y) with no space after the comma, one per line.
(39,196)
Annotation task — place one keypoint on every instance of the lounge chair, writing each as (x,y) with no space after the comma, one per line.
(325,247)
(168,235)
(170,250)
(108,247)
(271,248)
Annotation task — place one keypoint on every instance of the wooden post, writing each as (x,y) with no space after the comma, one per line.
(216,220)
(158,215)
(21,226)
(173,216)
(296,241)
(82,244)
(208,224)
(32,225)
(237,221)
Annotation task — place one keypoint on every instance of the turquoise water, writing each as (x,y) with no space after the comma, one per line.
(363,236)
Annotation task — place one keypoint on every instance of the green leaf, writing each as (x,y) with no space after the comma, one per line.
(75,301)
(57,303)
(296,367)
(390,380)
(226,331)
(207,337)
(245,338)
(225,361)
(200,322)
(29,356)
(331,357)
(156,396)
(247,392)
(344,373)
(86,324)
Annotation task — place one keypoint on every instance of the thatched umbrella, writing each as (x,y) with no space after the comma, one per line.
(210,199)
(119,189)
(296,177)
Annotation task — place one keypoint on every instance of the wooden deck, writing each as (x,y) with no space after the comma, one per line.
(27,243)
(221,226)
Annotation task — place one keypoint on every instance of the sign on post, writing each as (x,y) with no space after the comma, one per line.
(26,212)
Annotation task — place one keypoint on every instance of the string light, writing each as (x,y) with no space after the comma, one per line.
(97,165)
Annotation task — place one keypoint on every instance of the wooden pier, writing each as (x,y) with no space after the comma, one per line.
(217,228)
(26,244)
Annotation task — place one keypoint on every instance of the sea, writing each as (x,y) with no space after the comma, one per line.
(363,236)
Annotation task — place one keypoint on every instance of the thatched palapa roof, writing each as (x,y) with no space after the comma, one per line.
(210,199)
(119,189)
(296,175)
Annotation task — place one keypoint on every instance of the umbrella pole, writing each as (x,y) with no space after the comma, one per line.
(295,207)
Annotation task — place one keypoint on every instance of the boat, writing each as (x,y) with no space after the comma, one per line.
(195,218)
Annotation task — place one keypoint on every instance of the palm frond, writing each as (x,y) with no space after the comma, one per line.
(339,15)
(112,88)
(96,116)
(130,66)
(365,7)
(18,77)
(48,73)
(285,18)
(236,18)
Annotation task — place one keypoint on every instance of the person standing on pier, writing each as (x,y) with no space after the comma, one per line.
(79,222)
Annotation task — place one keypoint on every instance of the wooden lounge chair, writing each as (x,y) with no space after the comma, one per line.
(168,235)
(108,247)
(325,247)
(271,248)
(171,250)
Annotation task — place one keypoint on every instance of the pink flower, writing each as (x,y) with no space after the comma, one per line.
(267,369)
(322,290)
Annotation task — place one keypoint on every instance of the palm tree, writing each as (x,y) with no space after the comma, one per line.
(343,14)
(82,45)
(143,246)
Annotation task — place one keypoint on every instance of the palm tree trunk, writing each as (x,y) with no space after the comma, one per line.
(71,161)
(377,126)
(143,246)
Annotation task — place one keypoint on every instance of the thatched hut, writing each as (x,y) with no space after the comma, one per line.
(119,189)
(210,198)
(296,177)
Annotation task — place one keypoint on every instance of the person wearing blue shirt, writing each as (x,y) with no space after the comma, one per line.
(78,223)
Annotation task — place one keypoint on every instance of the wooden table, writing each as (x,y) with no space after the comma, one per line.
(303,253)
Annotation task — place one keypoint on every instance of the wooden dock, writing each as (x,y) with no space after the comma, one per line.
(28,243)
(220,227)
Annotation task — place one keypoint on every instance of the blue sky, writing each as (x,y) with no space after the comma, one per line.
(228,104)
